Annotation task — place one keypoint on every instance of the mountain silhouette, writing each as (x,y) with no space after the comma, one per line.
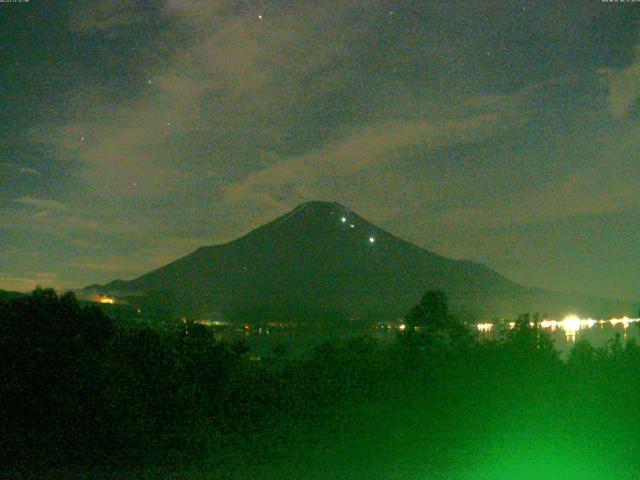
(322,260)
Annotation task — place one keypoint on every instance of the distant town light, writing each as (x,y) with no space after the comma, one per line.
(107,300)
(371,239)
(571,323)
(352,225)
(343,219)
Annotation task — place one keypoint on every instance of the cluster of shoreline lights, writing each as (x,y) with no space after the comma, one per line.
(343,219)
(570,324)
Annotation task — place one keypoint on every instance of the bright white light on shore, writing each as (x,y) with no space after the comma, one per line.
(550,324)
(343,219)
(371,239)
(624,321)
(571,323)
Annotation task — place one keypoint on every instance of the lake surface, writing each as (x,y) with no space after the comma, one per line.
(263,341)
(572,328)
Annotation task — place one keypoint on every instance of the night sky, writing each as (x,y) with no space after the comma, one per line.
(507,132)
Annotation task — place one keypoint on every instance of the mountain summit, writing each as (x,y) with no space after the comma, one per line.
(322,260)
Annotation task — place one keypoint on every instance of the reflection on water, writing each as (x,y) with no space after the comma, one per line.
(263,340)
(566,331)
(570,325)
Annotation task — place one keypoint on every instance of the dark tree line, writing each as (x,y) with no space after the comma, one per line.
(76,390)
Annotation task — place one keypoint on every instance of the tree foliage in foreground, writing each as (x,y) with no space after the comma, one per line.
(76,390)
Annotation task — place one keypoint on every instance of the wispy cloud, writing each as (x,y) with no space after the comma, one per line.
(109,267)
(30,282)
(28,171)
(589,192)
(46,204)
(19,169)
(107,15)
(624,86)
(363,148)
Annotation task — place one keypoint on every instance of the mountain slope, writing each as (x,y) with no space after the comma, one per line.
(323,260)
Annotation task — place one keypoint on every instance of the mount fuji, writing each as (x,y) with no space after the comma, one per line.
(322,261)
